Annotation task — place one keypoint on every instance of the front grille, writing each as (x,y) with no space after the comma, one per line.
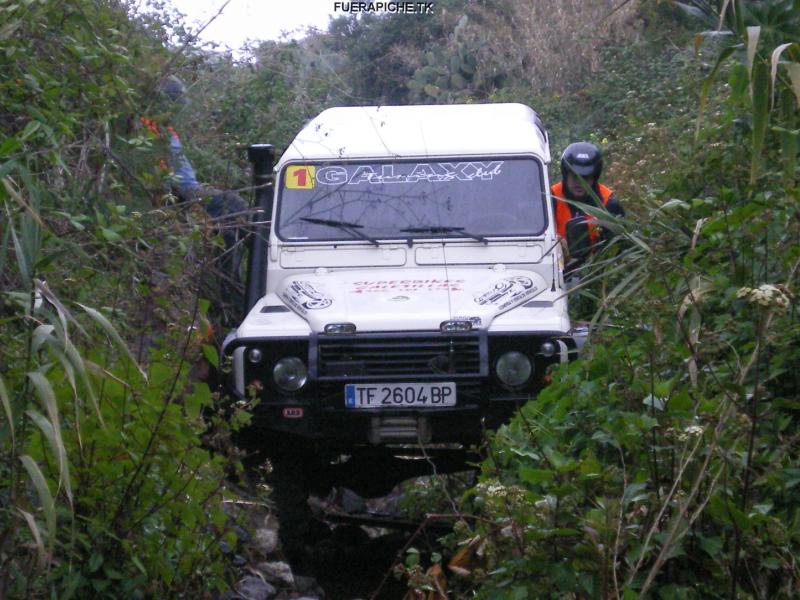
(402,356)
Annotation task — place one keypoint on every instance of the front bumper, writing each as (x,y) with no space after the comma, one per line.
(318,410)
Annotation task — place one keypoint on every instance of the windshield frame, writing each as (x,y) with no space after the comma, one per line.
(415,237)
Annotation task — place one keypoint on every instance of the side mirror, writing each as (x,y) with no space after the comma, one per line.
(578,241)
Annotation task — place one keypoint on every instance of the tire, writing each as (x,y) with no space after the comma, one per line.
(294,476)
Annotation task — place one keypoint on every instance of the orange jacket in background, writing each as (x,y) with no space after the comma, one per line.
(564,210)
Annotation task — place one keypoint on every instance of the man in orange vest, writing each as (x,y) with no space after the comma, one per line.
(581,166)
(226,208)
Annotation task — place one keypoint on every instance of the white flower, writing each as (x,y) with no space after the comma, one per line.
(694,430)
(492,489)
(767,295)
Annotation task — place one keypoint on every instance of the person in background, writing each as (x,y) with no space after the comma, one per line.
(581,167)
(226,208)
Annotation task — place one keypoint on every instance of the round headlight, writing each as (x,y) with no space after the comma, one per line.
(548,349)
(290,374)
(254,355)
(514,368)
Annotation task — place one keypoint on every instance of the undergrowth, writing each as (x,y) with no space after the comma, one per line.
(663,463)
(109,486)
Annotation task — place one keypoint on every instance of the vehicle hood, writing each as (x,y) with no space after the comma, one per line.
(407,299)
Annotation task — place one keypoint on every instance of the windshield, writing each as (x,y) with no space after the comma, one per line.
(368,201)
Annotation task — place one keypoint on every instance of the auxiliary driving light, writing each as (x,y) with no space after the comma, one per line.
(340,328)
(513,368)
(547,349)
(290,374)
(255,355)
(455,326)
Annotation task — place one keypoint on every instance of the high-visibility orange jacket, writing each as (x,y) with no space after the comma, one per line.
(565,211)
(184,172)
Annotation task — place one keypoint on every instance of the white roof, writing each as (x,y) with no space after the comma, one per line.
(420,131)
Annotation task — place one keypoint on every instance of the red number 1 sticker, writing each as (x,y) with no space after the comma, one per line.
(300,177)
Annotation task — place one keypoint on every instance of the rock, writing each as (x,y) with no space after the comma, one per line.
(242,535)
(254,588)
(387,505)
(349,501)
(276,572)
(238,561)
(265,541)
(271,522)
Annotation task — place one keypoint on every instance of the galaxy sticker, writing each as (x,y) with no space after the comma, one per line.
(408,173)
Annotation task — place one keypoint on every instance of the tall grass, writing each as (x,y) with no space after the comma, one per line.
(105,488)
(554,47)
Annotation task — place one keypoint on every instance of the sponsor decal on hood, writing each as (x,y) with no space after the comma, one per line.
(508,292)
(383,285)
(419,299)
(303,296)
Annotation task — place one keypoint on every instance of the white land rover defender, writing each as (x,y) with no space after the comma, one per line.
(410,290)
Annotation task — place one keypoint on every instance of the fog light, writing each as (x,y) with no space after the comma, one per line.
(455,326)
(340,328)
(290,374)
(547,349)
(255,355)
(513,368)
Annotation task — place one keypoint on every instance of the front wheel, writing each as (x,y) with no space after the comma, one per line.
(294,475)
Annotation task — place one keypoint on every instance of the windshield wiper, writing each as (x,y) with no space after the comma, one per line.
(351,228)
(445,229)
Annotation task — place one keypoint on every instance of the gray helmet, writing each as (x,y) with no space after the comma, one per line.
(582,158)
(173,89)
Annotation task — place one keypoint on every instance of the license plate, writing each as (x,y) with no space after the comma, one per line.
(399,395)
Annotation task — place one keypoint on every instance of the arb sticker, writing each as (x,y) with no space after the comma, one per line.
(300,177)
